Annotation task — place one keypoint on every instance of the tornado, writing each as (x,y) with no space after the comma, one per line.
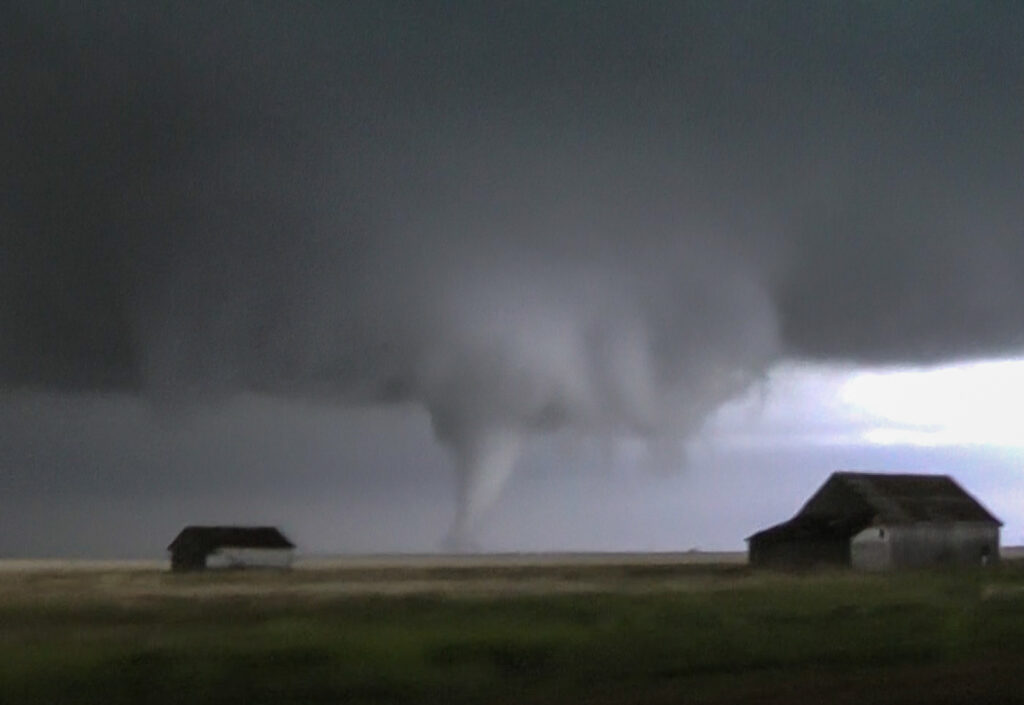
(605,221)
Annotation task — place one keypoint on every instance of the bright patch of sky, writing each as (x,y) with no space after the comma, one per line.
(979,403)
(969,404)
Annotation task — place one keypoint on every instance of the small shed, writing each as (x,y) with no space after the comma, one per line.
(201,547)
(878,521)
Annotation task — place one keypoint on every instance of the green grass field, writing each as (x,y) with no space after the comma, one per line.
(604,633)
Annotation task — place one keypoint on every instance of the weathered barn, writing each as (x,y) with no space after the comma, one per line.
(880,522)
(200,547)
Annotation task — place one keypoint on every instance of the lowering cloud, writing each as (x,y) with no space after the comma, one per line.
(523,218)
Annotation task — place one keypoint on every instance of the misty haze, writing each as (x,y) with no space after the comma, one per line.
(403,277)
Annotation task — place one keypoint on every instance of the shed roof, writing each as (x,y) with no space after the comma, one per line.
(211,538)
(904,498)
(806,526)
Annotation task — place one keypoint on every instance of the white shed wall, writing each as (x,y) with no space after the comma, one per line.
(871,549)
(250,558)
(924,544)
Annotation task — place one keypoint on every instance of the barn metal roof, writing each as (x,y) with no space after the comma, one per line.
(908,499)
(211,538)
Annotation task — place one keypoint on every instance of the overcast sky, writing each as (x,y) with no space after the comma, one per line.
(516,276)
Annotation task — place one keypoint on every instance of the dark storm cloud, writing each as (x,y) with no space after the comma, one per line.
(520,216)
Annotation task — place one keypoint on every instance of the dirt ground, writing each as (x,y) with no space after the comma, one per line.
(335,576)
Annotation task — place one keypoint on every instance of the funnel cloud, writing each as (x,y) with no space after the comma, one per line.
(521,218)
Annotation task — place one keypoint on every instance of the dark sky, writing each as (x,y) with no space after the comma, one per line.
(229,226)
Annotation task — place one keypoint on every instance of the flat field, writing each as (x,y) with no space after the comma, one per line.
(509,629)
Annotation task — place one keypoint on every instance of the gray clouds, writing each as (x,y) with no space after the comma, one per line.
(518,216)
(866,159)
